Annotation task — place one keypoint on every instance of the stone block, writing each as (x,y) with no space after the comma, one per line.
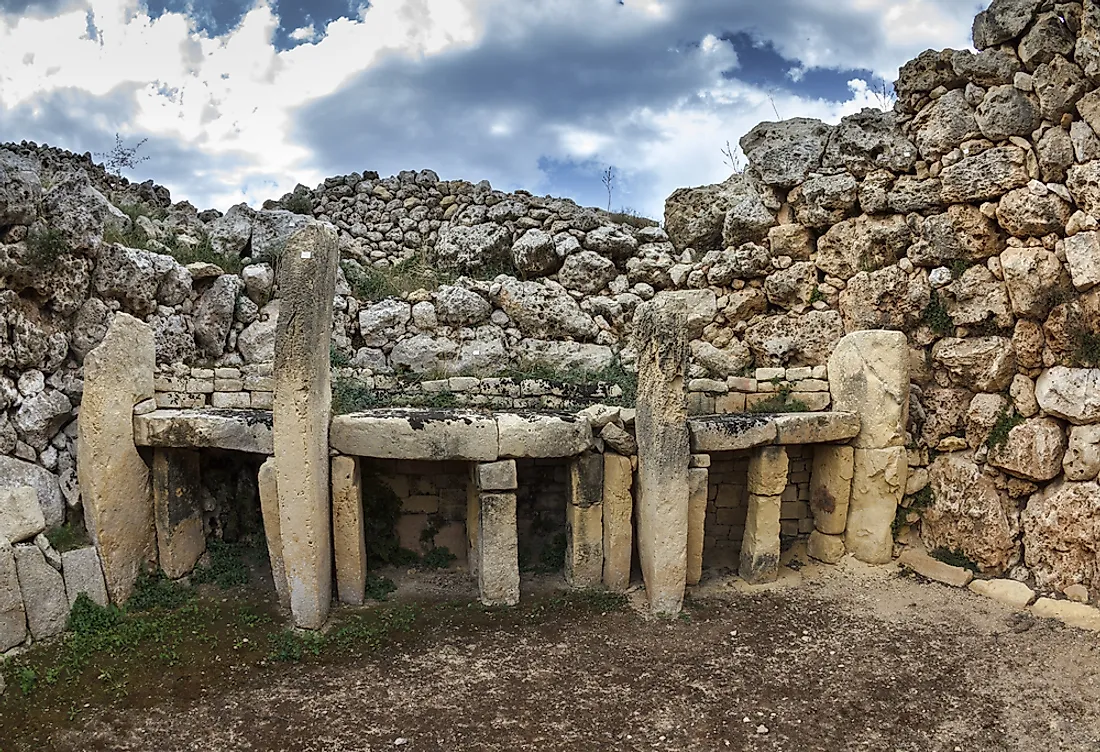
(869,376)
(199,386)
(16,473)
(768,471)
(13,617)
(269,508)
(114,479)
(228,385)
(730,433)
(243,431)
(231,400)
(21,515)
(473,516)
(497,476)
(826,548)
(700,460)
(1009,592)
(177,509)
(584,522)
(878,484)
(303,401)
(417,435)
(542,435)
(43,592)
(179,401)
(924,565)
(262,400)
(498,550)
(831,487)
(145,407)
(618,530)
(726,404)
(815,428)
(349,542)
(1074,614)
(697,515)
(760,544)
(83,574)
(814,401)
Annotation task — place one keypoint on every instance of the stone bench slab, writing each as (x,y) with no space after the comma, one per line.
(234,430)
(736,432)
(409,434)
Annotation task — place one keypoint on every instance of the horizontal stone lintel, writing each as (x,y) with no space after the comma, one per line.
(246,430)
(735,432)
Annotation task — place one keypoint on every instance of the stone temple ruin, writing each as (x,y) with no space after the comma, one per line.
(883,336)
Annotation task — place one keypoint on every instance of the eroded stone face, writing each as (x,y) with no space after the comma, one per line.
(1082,458)
(1061,526)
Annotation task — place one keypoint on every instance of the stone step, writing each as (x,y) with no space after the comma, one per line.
(933,569)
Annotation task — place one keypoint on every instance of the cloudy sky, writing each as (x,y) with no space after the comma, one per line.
(242,99)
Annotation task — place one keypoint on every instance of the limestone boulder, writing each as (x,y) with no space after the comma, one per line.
(16,473)
(259,282)
(40,417)
(127,275)
(944,124)
(884,299)
(1072,394)
(831,487)
(1083,181)
(20,189)
(982,364)
(985,176)
(487,352)
(749,261)
(695,217)
(1083,259)
(587,272)
(417,435)
(424,354)
(43,592)
(213,317)
(869,375)
(535,254)
(1033,451)
(83,574)
(785,153)
(1056,154)
(231,233)
(1059,85)
(1061,529)
(1003,21)
(543,435)
(962,233)
(794,340)
(928,71)
(13,616)
(863,244)
(1035,280)
(730,360)
(747,219)
(568,357)
(914,194)
(241,431)
(467,249)
(611,241)
(89,326)
(792,287)
(1082,458)
(1006,111)
(982,415)
(543,311)
(256,341)
(977,297)
(970,515)
(652,265)
(76,209)
(383,321)
(987,68)
(21,515)
(459,306)
(869,140)
(1033,211)
(878,484)
(824,200)
(175,342)
(271,229)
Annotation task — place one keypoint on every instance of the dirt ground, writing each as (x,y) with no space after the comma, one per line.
(831,659)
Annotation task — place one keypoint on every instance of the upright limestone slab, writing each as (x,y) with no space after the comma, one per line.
(831,487)
(878,485)
(618,532)
(760,547)
(43,592)
(301,411)
(13,617)
(698,478)
(663,454)
(114,480)
(83,574)
(348,532)
(177,480)
(584,518)
(269,508)
(498,550)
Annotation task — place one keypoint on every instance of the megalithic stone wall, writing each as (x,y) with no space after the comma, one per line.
(302,408)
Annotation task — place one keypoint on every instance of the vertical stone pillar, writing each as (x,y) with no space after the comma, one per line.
(869,375)
(269,507)
(473,512)
(663,453)
(618,532)
(760,546)
(114,480)
(698,479)
(497,541)
(177,508)
(830,494)
(584,522)
(301,410)
(349,537)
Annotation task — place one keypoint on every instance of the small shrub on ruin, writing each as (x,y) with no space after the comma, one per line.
(337,358)
(937,318)
(122,157)
(630,217)
(1007,419)
(69,536)
(44,247)
(780,402)
(351,395)
(1086,348)
(203,253)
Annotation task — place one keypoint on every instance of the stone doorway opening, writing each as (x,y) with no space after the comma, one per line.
(542,497)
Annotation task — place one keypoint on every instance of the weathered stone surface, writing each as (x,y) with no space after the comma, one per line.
(960,233)
(20,190)
(208,428)
(985,176)
(884,299)
(1072,394)
(862,244)
(1061,526)
(231,232)
(794,340)
(694,217)
(831,487)
(272,230)
(43,592)
(785,153)
(83,574)
(77,210)
(792,287)
(1056,154)
(697,515)
(760,546)
(1059,84)
(825,200)
(417,435)
(535,254)
(213,317)
(663,454)
(20,514)
(747,219)
(349,542)
(977,297)
(498,550)
(618,530)
(1083,259)
(1034,278)
(542,311)
(1083,181)
(177,506)
(468,249)
(619,439)
(729,433)
(542,435)
(256,342)
(301,409)
(609,240)
(269,508)
(1003,21)
(1009,592)
(126,275)
(114,480)
(878,484)
(869,376)
(767,474)
(16,473)
(869,140)
(587,271)
(1082,458)
(584,522)
(984,364)
(41,415)
(970,515)
(497,476)
(933,569)
(1074,614)
(944,124)
(13,616)
(1033,451)
(825,548)
(459,306)
(1033,211)
(568,357)
(1006,111)
(815,428)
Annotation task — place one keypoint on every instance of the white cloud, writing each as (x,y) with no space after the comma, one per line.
(236,103)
